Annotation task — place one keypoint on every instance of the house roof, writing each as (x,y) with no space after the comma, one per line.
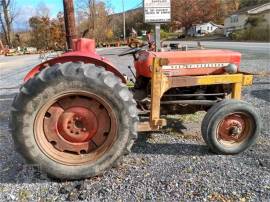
(220,26)
(253,9)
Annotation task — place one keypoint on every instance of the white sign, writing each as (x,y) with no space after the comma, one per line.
(157,11)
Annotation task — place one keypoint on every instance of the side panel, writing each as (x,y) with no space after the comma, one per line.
(188,63)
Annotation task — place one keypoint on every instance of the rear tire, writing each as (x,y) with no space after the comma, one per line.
(230,127)
(63,86)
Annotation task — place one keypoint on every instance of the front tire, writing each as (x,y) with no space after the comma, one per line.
(230,127)
(74,120)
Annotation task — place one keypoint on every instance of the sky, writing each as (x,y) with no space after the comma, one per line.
(28,8)
(57,5)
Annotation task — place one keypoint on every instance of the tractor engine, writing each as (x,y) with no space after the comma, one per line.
(185,63)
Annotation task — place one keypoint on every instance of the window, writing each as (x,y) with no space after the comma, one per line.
(234,18)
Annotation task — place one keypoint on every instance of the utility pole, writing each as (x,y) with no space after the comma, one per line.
(94,16)
(157,37)
(69,22)
(124,19)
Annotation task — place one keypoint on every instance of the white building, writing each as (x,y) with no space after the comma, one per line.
(203,29)
(238,20)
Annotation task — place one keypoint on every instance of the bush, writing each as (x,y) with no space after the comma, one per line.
(255,21)
(253,33)
(168,35)
(164,35)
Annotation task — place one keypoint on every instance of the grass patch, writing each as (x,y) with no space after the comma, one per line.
(176,126)
(130,84)
(188,118)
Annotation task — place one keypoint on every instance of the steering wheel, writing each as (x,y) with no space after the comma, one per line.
(132,51)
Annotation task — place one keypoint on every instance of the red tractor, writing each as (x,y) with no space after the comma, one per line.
(76,118)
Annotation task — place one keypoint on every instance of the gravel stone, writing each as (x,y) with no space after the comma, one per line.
(72,196)
(82,196)
(66,189)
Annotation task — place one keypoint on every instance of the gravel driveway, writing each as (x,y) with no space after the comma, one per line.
(172,165)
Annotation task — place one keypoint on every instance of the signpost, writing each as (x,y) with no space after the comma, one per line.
(157,12)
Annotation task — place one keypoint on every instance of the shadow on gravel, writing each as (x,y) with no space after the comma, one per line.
(175,125)
(10,88)
(141,146)
(257,156)
(5,104)
(109,54)
(9,96)
(263,94)
(261,83)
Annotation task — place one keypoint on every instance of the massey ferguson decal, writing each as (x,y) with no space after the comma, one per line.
(192,66)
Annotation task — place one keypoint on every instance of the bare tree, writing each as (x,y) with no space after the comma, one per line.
(7,16)
(94,19)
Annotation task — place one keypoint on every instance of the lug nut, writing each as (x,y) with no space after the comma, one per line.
(84,130)
(235,131)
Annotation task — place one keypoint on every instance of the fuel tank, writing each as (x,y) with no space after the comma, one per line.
(188,63)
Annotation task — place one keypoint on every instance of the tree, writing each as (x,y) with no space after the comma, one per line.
(40,31)
(246,3)
(188,12)
(7,16)
(57,32)
(94,20)
(47,33)
(225,8)
(135,19)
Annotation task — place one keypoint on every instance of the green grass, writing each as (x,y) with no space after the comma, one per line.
(130,84)
(188,118)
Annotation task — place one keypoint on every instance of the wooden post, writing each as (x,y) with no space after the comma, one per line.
(236,91)
(159,86)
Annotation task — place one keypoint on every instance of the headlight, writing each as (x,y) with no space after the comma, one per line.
(231,69)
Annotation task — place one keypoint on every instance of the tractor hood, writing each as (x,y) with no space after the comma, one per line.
(189,63)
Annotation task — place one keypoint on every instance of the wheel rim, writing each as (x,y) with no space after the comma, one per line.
(75,128)
(234,129)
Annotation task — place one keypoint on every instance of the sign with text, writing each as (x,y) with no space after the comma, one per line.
(157,11)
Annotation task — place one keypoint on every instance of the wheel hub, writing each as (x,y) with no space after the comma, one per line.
(233,128)
(77,124)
